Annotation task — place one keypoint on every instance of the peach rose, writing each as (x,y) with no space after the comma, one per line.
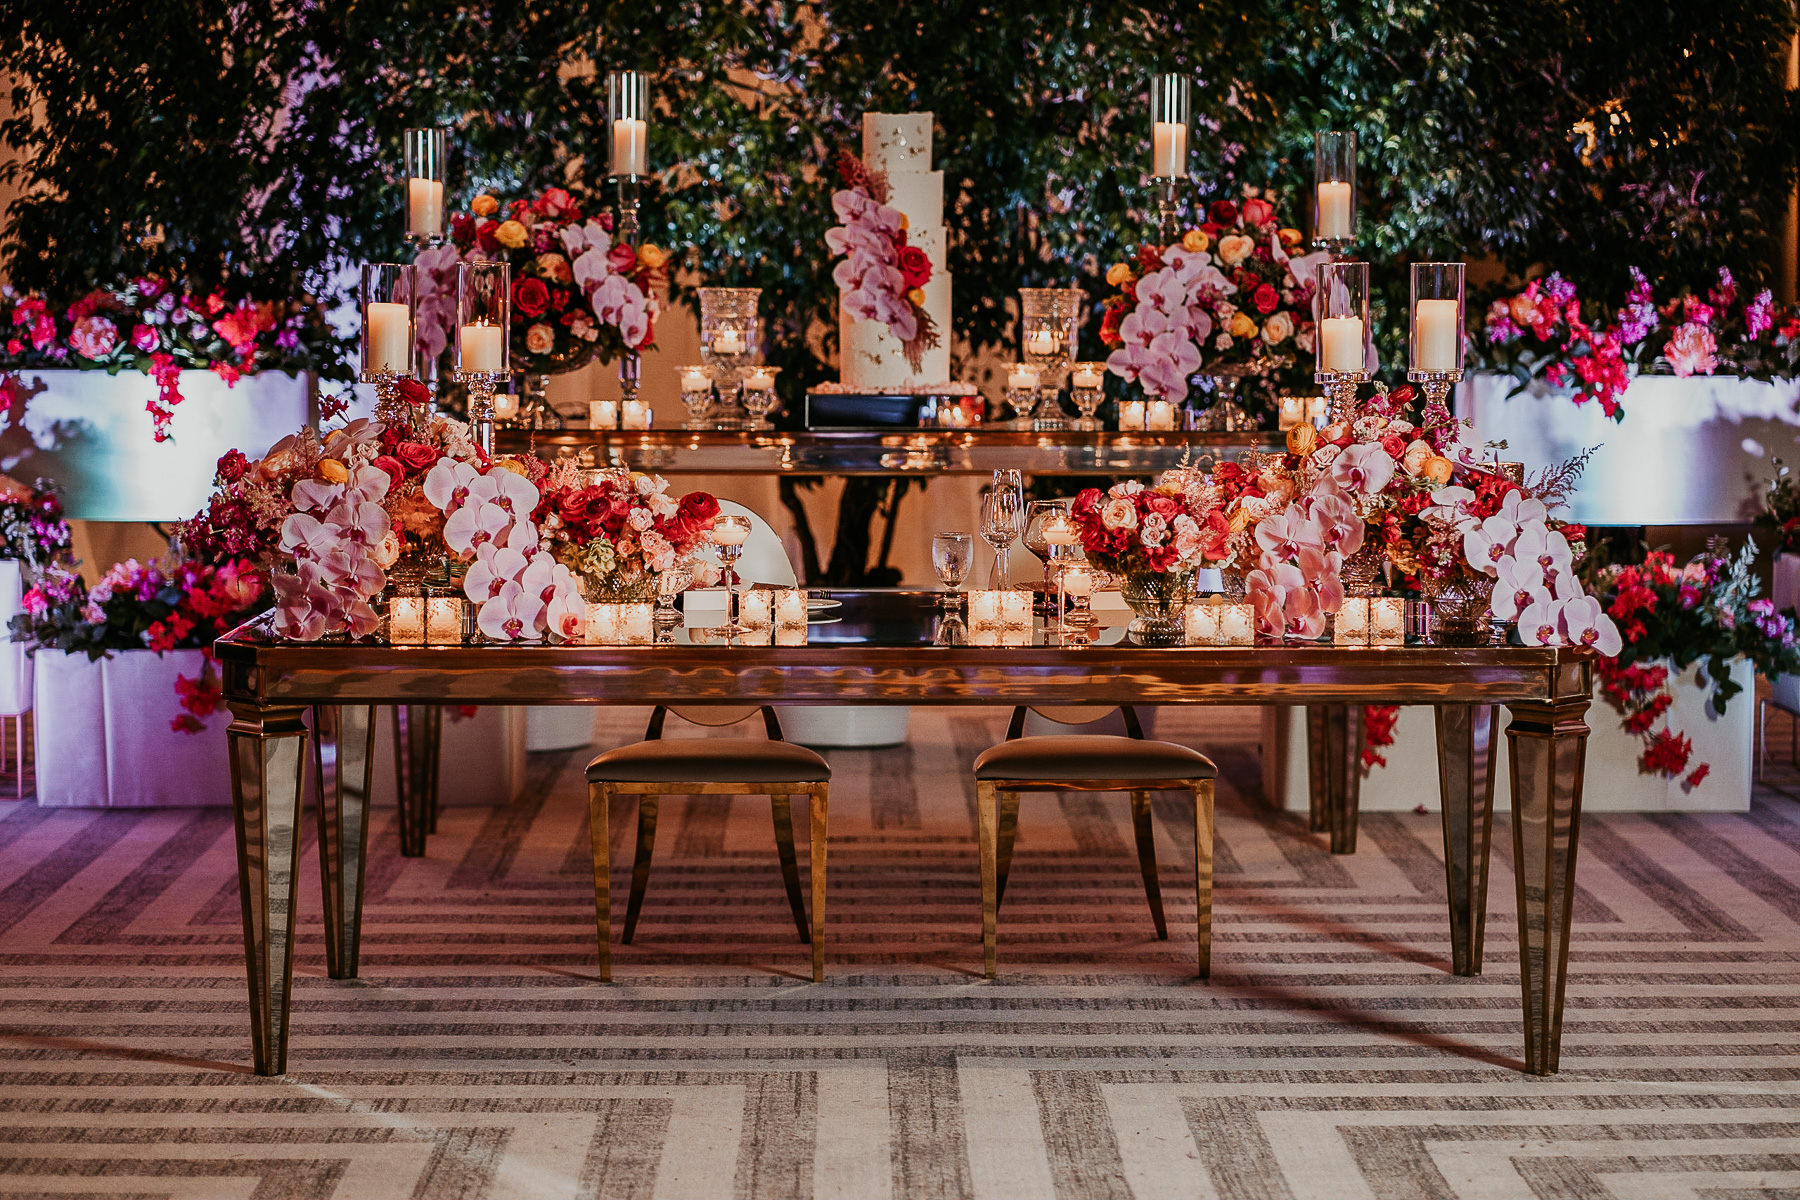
(1119,513)
(555,266)
(1278,328)
(652,257)
(540,339)
(1234,248)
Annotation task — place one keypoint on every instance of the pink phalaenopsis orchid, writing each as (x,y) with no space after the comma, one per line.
(1362,469)
(1518,585)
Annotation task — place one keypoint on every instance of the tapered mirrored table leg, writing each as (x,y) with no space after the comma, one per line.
(1334,760)
(1316,789)
(418,729)
(344,774)
(1547,741)
(1468,736)
(268,766)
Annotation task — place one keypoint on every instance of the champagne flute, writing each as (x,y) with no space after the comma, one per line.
(1002,521)
(951,556)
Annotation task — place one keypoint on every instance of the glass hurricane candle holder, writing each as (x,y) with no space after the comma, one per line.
(1170,121)
(696,394)
(386,301)
(1048,320)
(1334,191)
(1088,383)
(1341,349)
(483,340)
(424,151)
(1435,359)
(1078,586)
(759,395)
(730,342)
(628,121)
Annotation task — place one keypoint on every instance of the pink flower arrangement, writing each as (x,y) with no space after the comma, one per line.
(881,276)
(1132,529)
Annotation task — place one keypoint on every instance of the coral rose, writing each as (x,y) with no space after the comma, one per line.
(512,235)
(1234,248)
(540,339)
(555,266)
(416,455)
(531,297)
(484,205)
(1258,213)
(395,469)
(1118,274)
(621,258)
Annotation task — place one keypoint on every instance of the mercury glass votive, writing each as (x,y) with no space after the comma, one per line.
(1015,609)
(790,608)
(1237,624)
(406,621)
(1131,416)
(1352,625)
(757,608)
(1201,623)
(1387,621)
(984,608)
(443,618)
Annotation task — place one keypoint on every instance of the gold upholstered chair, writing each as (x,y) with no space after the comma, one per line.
(656,767)
(1091,763)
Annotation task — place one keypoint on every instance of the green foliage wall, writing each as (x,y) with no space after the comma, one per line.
(261,142)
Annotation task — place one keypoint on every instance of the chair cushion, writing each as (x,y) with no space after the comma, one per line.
(1091,757)
(709,760)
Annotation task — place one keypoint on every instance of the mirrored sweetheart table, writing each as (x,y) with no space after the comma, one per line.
(882,647)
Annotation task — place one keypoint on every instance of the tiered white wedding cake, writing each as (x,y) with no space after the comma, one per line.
(898,145)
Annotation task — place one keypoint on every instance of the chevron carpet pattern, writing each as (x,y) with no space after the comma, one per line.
(1332,1055)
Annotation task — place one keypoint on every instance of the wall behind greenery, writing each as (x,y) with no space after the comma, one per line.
(259,144)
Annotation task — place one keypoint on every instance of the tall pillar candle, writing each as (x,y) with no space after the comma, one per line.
(1170,154)
(1342,342)
(630,154)
(1334,212)
(481,350)
(390,336)
(425,206)
(1435,335)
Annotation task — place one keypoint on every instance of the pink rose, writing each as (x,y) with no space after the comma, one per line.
(94,337)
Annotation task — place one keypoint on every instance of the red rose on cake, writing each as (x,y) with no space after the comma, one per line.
(915,267)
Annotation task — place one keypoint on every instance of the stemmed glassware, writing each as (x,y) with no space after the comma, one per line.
(1062,550)
(696,395)
(729,532)
(759,395)
(1002,521)
(670,584)
(951,556)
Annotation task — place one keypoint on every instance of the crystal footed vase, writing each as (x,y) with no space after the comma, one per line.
(1459,609)
(618,587)
(418,561)
(1361,572)
(1159,605)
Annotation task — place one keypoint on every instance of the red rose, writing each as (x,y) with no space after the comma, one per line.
(416,456)
(413,392)
(1259,213)
(462,229)
(1109,326)
(1212,229)
(1400,397)
(1149,258)
(622,259)
(1223,212)
(697,509)
(1265,298)
(484,236)
(1163,506)
(232,465)
(392,466)
(531,297)
(1395,445)
(915,267)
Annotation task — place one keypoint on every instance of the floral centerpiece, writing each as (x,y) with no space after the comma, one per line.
(1672,617)
(1546,330)
(882,277)
(32,528)
(620,532)
(160,327)
(1228,299)
(575,294)
(1153,539)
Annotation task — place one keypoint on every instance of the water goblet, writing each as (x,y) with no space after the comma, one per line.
(951,556)
(670,584)
(1002,521)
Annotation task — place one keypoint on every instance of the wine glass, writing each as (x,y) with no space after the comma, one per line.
(1002,520)
(729,532)
(951,556)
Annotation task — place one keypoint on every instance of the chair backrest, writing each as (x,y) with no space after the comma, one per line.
(695,714)
(1075,714)
(764,559)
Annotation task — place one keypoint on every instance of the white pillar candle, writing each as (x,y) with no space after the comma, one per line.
(1435,335)
(1131,414)
(603,414)
(1342,339)
(1022,378)
(756,607)
(1202,623)
(1352,625)
(1292,412)
(634,414)
(694,379)
(1160,415)
(406,621)
(1387,621)
(631,154)
(1077,582)
(1169,158)
(790,607)
(1015,608)
(728,534)
(1041,342)
(1334,211)
(481,349)
(506,406)
(390,336)
(444,620)
(728,341)
(984,608)
(1089,378)
(1237,625)
(425,206)
(759,380)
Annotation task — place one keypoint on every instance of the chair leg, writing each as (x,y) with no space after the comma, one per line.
(1762,740)
(640,864)
(783,809)
(1009,830)
(1203,870)
(987,807)
(1146,848)
(599,825)
(821,804)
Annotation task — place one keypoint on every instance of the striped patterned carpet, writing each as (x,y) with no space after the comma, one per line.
(1332,1055)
